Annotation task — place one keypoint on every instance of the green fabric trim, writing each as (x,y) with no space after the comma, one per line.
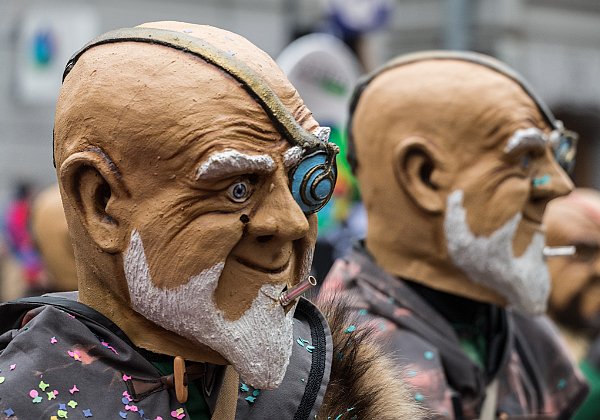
(196,405)
(590,410)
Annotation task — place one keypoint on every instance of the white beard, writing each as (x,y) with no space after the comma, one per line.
(523,281)
(258,344)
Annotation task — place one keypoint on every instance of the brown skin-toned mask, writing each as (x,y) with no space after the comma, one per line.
(427,129)
(575,220)
(144,136)
(51,235)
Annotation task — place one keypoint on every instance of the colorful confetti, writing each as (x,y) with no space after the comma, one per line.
(43,385)
(561,384)
(9,412)
(122,414)
(75,355)
(126,378)
(363,312)
(72,404)
(51,395)
(419,397)
(53,340)
(244,387)
(74,389)
(310,348)
(250,399)
(2,378)
(131,408)
(178,414)
(12,367)
(350,329)
(87,413)
(108,346)
(428,355)
(62,414)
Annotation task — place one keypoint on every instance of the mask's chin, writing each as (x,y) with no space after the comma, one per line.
(258,344)
(524,281)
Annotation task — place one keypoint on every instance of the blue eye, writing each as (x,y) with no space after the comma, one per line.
(313,180)
(239,192)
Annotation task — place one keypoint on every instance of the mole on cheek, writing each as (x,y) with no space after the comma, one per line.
(244,218)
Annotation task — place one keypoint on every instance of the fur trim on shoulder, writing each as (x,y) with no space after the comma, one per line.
(365,382)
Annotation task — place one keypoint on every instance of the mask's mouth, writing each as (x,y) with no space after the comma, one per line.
(263,269)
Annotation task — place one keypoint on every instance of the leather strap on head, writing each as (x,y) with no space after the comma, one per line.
(258,89)
(468,56)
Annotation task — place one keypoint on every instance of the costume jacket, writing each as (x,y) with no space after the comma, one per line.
(536,377)
(61,359)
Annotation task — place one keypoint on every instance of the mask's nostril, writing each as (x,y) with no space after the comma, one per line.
(264,238)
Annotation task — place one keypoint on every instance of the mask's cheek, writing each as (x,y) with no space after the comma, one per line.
(176,252)
(305,251)
(590,302)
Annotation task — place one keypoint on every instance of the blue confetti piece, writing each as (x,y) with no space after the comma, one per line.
(310,348)
(244,387)
(411,373)
(256,392)
(62,406)
(419,397)
(363,312)
(87,413)
(350,329)
(339,416)
(428,355)
(250,400)
(300,342)
(141,413)
(9,412)
(561,384)
(125,401)
(123,415)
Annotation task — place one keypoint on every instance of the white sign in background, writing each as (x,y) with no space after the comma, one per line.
(46,39)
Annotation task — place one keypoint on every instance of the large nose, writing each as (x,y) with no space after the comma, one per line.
(278,216)
(552,181)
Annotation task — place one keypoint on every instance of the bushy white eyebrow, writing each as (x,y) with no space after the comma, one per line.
(231,161)
(525,138)
(292,156)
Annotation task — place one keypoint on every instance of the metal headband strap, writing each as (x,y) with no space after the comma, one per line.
(250,81)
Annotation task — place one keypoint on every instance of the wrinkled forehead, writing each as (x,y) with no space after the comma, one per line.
(180,89)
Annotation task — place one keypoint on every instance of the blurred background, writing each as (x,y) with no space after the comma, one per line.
(555,44)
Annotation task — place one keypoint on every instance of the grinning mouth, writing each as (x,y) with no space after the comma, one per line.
(263,269)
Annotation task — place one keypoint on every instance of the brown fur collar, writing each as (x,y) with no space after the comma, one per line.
(364,383)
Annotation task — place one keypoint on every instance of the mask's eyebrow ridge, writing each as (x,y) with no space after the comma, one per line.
(292,156)
(228,162)
(526,138)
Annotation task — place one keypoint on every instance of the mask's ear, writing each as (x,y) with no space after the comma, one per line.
(417,168)
(94,189)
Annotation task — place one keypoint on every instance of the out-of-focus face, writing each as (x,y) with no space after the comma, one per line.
(474,165)
(498,194)
(575,220)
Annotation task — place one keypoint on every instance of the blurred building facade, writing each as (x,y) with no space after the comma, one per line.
(555,44)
